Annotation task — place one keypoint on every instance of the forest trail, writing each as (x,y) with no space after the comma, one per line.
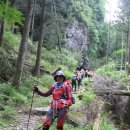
(22,125)
(35,119)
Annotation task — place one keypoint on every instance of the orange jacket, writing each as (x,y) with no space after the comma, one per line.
(61,95)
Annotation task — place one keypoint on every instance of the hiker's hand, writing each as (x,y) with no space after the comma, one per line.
(35,88)
(65,106)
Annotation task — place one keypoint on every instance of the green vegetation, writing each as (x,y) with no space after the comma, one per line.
(110,70)
(10,98)
(106,124)
(55,54)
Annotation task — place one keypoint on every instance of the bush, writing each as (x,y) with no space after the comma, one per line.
(8,113)
(107,125)
(11,39)
(6,67)
(111,71)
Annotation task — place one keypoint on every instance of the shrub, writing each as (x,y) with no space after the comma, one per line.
(107,125)
(11,39)
(6,68)
(8,113)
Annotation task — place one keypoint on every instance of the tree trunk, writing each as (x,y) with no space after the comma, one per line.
(2,31)
(129,50)
(128,110)
(108,42)
(39,50)
(33,18)
(3,25)
(12,4)
(23,46)
(58,30)
(122,44)
(113,92)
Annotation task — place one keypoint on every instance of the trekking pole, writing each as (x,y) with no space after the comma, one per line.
(30,110)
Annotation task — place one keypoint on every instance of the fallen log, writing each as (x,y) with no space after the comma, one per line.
(98,121)
(113,92)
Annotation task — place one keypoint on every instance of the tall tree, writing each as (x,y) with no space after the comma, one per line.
(21,56)
(124,6)
(57,26)
(109,30)
(3,24)
(32,23)
(40,42)
(129,50)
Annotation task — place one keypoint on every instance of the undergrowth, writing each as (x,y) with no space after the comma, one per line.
(111,71)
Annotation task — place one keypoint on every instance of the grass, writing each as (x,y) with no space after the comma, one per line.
(106,124)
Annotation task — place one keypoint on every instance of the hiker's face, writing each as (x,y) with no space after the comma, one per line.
(60,79)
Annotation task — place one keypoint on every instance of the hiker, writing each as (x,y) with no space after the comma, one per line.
(82,73)
(89,74)
(79,79)
(73,80)
(61,101)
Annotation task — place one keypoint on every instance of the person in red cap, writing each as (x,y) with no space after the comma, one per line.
(61,101)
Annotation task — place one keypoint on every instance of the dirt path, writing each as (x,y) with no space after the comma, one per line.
(22,125)
(34,119)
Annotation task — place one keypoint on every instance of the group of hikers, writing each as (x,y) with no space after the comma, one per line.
(62,98)
(77,78)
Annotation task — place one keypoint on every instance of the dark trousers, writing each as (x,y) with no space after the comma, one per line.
(74,87)
(61,114)
(79,83)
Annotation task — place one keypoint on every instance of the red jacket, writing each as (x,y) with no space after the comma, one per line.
(61,95)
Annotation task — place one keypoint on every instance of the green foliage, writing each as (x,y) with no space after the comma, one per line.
(54,58)
(111,71)
(91,12)
(107,125)
(12,39)
(12,94)
(8,113)
(6,68)
(12,15)
(117,55)
(88,96)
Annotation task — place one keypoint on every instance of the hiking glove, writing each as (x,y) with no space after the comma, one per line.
(35,88)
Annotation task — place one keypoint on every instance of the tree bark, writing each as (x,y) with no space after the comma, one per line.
(108,42)
(39,50)
(114,92)
(128,49)
(3,25)
(122,45)
(58,29)
(23,46)
(33,18)
(2,31)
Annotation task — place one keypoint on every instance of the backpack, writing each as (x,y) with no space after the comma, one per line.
(70,85)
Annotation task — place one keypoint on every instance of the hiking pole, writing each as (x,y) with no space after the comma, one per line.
(30,109)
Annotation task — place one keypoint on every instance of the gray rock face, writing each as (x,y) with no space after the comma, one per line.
(78,39)
(77,36)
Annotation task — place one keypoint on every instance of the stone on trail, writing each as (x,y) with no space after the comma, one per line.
(40,110)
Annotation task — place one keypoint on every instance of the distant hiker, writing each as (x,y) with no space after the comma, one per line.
(79,79)
(74,84)
(82,73)
(89,74)
(61,101)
